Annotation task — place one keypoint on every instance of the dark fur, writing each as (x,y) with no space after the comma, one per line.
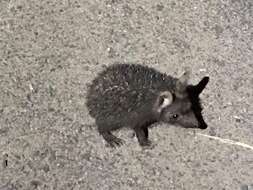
(126,94)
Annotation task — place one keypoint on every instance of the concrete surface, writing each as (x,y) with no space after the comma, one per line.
(49,52)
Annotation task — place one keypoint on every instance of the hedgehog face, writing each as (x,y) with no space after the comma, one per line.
(185,108)
(180,113)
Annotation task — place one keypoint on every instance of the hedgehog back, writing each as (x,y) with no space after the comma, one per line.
(122,89)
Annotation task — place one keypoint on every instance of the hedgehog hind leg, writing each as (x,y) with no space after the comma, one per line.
(112,140)
(104,129)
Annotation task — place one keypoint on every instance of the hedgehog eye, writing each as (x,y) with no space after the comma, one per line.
(174,116)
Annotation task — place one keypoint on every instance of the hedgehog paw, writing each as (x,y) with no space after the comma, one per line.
(146,143)
(115,142)
(111,139)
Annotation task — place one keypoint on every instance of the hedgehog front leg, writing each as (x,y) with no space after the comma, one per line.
(146,131)
(142,136)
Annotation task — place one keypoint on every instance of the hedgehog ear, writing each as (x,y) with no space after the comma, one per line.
(181,84)
(164,99)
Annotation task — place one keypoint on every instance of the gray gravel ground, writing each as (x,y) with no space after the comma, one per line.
(51,49)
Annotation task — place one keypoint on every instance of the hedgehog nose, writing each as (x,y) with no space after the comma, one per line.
(203,126)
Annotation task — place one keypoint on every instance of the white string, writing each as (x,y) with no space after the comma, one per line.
(227,141)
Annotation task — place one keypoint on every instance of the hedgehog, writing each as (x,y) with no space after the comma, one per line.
(137,96)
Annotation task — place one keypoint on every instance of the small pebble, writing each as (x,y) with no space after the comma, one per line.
(5,161)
